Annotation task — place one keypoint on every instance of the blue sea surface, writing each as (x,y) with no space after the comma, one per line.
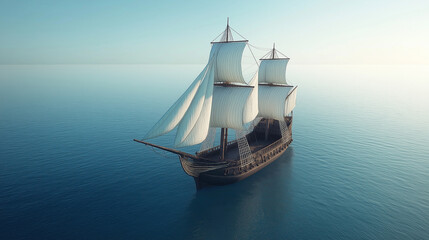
(358,167)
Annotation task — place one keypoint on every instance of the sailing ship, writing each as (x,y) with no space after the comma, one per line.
(259,111)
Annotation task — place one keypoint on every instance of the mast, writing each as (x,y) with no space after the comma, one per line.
(276,98)
(223,142)
(227,28)
(224,131)
(272,69)
(274,49)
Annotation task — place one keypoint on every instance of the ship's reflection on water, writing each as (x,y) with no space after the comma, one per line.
(236,211)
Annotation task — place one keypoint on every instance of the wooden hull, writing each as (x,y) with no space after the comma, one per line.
(211,178)
(265,152)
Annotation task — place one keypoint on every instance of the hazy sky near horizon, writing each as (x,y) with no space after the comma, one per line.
(128,32)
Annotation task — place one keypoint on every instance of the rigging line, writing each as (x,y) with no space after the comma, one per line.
(253,54)
(237,32)
(260,48)
(263,57)
(162,155)
(218,36)
(266,54)
(282,53)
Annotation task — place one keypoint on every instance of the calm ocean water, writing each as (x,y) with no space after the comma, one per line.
(358,167)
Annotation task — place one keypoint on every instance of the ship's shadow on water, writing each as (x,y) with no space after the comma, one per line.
(236,210)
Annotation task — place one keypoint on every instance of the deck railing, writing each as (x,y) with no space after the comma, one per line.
(261,154)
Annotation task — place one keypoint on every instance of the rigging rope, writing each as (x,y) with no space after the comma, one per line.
(286,136)
(244,150)
(267,49)
(252,54)
(254,123)
(269,53)
(248,44)
(162,155)
(218,36)
(237,32)
(260,48)
(284,55)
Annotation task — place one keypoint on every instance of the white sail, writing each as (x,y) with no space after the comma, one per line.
(233,107)
(290,101)
(194,127)
(228,106)
(251,108)
(228,61)
(273,71)
(274,102)
(205,105)
(176,112)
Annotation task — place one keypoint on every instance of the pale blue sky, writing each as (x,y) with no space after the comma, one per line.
(310,32)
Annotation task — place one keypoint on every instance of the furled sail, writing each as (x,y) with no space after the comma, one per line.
(228,61)
(234,106)
(276,102)
(273,70)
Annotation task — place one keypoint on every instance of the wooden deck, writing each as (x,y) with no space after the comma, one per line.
(264,152)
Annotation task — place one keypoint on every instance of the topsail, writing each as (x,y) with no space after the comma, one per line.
(273,71)
(227,60)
